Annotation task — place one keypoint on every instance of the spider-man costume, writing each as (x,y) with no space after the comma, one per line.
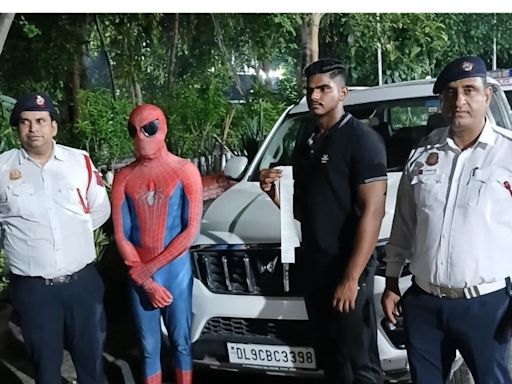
(156,210)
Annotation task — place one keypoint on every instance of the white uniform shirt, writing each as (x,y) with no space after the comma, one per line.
(453,218)
(46,230)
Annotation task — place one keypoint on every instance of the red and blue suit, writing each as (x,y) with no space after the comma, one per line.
(156,211)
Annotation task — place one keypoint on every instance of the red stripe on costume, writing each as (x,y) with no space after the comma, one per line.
(154,379)
(182,377)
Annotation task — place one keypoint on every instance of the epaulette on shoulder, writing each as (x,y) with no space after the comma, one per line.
(427,142)
(73,150)
(8,154)
(433,138)
(507,133)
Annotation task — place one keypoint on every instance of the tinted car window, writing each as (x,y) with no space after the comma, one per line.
(509,96)
(401,124)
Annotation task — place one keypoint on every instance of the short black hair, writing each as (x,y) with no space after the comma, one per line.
(333,67)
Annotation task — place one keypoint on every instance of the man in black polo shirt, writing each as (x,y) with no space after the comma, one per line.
(340,187)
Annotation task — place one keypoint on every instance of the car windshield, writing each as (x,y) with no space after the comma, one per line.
(508,93)
(401,124)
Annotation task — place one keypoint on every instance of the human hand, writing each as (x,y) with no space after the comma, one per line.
(158,295)
(345,295)
(268,177)
(390,304)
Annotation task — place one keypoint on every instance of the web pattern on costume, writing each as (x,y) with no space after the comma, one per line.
(144,215)
(156,211)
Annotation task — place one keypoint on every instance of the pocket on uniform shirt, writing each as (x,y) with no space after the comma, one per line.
(71,197)
(22,201)
(476,187)
(490,187)
(5,208)
(4,203)
(426,188)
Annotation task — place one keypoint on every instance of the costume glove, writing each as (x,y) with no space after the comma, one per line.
(158,295)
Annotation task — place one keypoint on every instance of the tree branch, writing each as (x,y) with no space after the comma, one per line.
(171,58)
(220,41)
(107,57)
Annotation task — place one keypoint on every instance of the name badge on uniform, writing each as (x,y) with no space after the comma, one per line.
(428,171)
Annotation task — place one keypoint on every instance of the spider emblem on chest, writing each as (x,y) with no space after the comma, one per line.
(150,196)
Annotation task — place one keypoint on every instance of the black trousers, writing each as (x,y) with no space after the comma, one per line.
(436,327)
(346,342)
(69,315)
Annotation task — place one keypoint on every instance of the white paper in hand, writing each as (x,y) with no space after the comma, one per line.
(289,235)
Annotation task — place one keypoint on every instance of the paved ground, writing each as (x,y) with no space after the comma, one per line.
(14,366)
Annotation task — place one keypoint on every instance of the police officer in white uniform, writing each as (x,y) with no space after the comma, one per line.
(51,199)
(453,222)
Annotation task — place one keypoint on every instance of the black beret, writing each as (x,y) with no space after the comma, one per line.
(460,68)
(324,66)
(33,102)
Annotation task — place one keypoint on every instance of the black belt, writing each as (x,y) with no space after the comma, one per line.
(457,293)
(64,279)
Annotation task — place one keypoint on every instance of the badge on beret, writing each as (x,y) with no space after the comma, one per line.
(40,101)
(466,66)
(15,174)
(432,159)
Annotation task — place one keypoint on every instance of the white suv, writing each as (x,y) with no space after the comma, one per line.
(508,92)
(247,311)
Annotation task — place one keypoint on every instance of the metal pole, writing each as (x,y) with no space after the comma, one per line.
(379,51)
(494,53)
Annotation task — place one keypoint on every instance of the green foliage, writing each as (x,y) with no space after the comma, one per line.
(288,91)
(262,37)
(101,127)
(134,43)
(8,137)
(101,241)
(254,119)
(474,34)
(411,45)
(68,47)
(196,109)
(30,29)
(41,48)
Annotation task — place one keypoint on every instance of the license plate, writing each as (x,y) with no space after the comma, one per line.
(272,355)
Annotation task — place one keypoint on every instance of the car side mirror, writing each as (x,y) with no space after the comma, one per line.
(235,167)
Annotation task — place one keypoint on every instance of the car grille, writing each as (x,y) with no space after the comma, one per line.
(289,332)
(245,269)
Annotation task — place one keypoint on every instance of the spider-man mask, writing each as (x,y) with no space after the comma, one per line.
(147,128)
